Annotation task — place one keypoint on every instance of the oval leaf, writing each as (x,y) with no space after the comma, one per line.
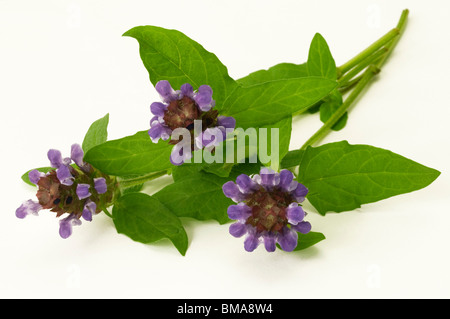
(170,55)
(144,219)
(320,61)
(270,102)
(96,134)
(341,177)
(131,155)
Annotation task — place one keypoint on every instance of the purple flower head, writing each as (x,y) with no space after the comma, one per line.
(78,190)
(267,209)
(180,109)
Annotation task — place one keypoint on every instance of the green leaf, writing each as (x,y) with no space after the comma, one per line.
(308,240)
(320,61)
(96,134)
(291,159)
(144,219)
(270,102)
(330,105)
(131,155)
(341,177)
(284,127)
(26,179)
(200,197)
(282,71)
(170,55)
(197,194)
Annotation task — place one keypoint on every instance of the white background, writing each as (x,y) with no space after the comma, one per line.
(64,64)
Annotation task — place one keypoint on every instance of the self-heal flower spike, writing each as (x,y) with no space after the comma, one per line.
(78,190)
(180,109)
(267,209)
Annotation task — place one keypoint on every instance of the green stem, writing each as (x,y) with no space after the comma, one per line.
(374,47)
(349,85)
(370,72)
(107,213)
(129,182)
(401,25)
(364,64)
(367,76)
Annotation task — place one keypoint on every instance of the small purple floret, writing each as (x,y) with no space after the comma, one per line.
(66,224)
(165,91)
(55,158)
(83,191)
(34,176)
(64,175)
(28,207)
(89,210)
(77,154)
(100,185)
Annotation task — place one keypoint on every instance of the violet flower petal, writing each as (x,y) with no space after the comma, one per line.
(187,90)
(239,211)
(226,121)
(55,158)
(251,242)
(231,190)
(34,176)
(288,239)
(238,229)
(158,108)
(270,242)
(165,90)
(89,210)
(203,98)
(302,227)
(286,178)
(65,225)
(83,191)
(100,185)
(181,152)
(28,207)
(157,131)
(300,193)
(77,154)
(246,184)
(64,175)
(295,213)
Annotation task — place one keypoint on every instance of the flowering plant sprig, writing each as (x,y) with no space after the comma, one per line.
(197,135)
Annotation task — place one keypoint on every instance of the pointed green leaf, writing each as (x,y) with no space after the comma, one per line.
(170,55)
(96,134)
(308,240)
(282,71)
(320,61)
(341,177)
(330,105)
(144,219)
(131,155)
(269,102)
(197,194)
(200,197)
